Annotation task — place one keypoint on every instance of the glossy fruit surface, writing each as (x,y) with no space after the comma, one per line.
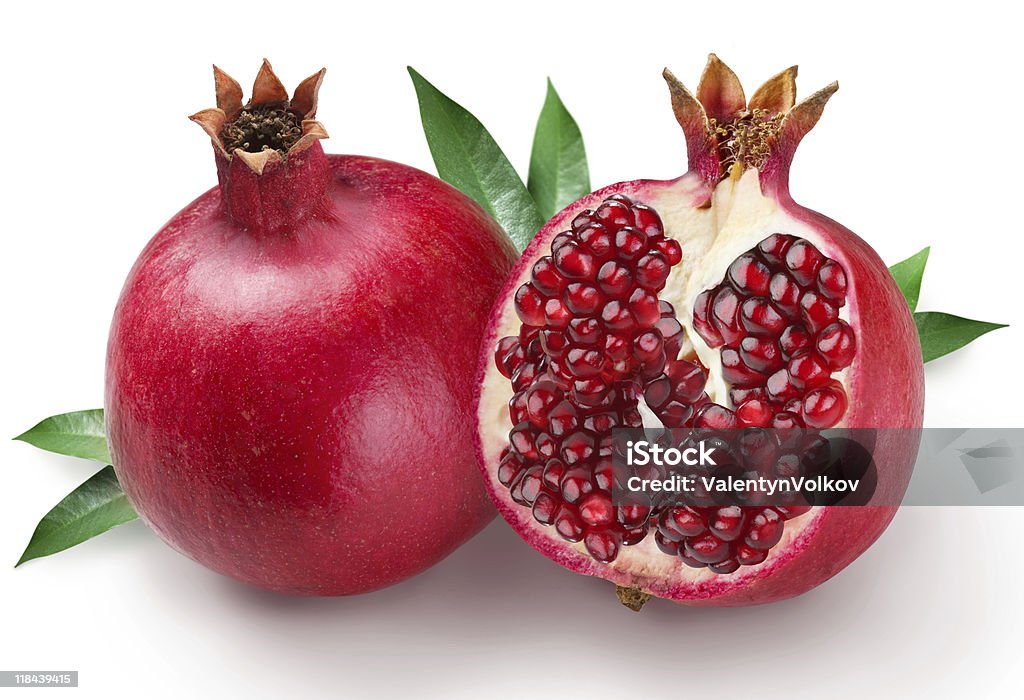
(289,372)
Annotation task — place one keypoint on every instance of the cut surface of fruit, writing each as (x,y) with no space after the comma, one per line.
(712,301)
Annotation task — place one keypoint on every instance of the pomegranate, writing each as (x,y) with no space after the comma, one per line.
(289,378)
(710,301)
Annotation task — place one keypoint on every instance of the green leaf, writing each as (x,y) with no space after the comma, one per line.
(467,157)
(908,274)
(78,434)
(558,163)
(941,334)
(91,509)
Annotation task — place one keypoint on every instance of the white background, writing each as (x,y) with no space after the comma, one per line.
(921,146)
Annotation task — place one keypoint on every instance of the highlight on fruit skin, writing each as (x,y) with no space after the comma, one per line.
(711,301)
(282,404)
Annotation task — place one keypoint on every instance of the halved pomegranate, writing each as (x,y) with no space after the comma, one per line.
(712,300)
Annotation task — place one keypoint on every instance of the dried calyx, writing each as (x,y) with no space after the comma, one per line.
(726,134)
(270,127)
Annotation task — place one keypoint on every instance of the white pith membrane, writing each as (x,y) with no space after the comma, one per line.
(738,218)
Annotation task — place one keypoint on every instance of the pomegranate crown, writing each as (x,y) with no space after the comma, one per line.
(270,127)
(726,134)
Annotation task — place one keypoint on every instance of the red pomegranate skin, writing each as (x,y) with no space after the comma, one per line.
(290,372)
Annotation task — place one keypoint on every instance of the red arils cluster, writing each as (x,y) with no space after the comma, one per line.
(593,331)
(595,338)
(722,538)
(775,317)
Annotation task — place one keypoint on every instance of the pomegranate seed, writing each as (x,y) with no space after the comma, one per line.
(596,509)
(584,331)
(617,347)
(785,294)
(808,370)
(562,419)
(632,516)
(832,282)
(682,521)
(736,372)
(837,345)
(522,441)
(748,556)
(615,215)
(575,484)
(658,392)
(583,219)
(754,413)
(575,262)
(794,339)
(597,240)
(672,331)
(614,279)
(630,244)
(583,299)
(688,381)
(562,239)
(509,468)
(780,387)
(727,566)
(675,414)
(774,247)
(568,526)
(727,523)
(617,316)
(759,317)
(546,278)
(556,314)
(786,421)
(530,305)
(714,416)
(804,260)
(648,348)
(604,473)
(707,549)
(648,221)
(724,315)
(823,407)
(740,396)
(671,249)
(644,307)
(544,508)
(602,545)
(702,320)
(503,353)
(765,530)
(554,470)
(816,312)
(576,447)
(529,485)
(583,363)
(761,354)
(652,271)
(749,275)
(789,512)
(664,544)
(539,400)
(787,466)
(554,344)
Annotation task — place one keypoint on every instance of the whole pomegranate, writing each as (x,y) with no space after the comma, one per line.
(712,301)
(290,369)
